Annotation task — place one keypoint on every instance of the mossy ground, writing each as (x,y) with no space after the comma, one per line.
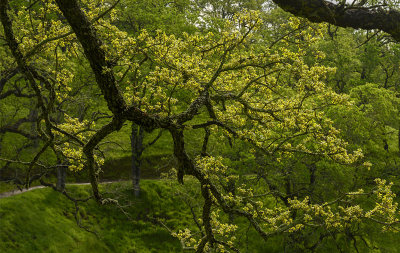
(42,220)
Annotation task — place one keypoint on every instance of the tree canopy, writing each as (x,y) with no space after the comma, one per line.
(295,98)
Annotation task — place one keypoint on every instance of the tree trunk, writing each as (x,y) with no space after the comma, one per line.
(61,174)
(137,149)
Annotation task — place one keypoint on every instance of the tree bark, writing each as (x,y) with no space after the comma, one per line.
(137,149)
(61,174)
(92,46)
(358,17)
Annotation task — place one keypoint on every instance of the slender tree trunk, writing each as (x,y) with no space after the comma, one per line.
(61,174)
(137,149)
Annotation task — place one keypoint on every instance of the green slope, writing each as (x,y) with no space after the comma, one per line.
(42,220)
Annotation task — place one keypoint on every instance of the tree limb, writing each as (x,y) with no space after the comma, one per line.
(358,17)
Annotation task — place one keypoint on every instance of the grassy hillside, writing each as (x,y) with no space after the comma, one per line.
(43,221)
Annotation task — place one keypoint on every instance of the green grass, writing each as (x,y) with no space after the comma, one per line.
(42,220)
(120,169)
(10,186)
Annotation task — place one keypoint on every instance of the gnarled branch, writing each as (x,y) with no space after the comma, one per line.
(358,17)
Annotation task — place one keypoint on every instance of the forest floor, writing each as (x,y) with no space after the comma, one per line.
(43,220)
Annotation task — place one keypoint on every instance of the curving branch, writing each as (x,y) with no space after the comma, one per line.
(112,126)
(96,55)
(358,17)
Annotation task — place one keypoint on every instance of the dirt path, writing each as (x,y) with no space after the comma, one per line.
(16,192)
